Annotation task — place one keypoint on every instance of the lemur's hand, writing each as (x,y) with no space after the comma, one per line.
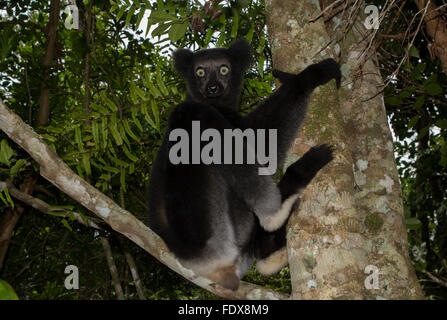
(313,76)
(327,70)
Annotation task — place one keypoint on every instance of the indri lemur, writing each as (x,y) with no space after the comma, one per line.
(218,218)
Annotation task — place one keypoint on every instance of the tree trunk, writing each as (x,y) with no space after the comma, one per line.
(50,53)
(350,220)
(436,26)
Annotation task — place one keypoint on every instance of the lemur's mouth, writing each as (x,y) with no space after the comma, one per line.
(214,95)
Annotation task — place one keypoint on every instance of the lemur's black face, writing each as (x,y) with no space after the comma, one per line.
(212,77)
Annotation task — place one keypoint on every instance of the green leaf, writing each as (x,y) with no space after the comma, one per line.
(86,163)
(414,52)
(104,132)
(261,46)
(115,134)
(133,93)
(111,169)
(120,12)
(137,122)
(433,88)
(48,137)
(419,102)
(413,121)
(61,207)
(261,65)
(441,123)
(394,100)
(66,224)
(160,83)
(109,102)
(149,120)
(95,133)
(160,29)
(129,130)
(154,91)
(177,31)
(123,133)
(129,154)
(140,93)
(123,179)
(78,138)
(7,292)
(155,113)
(413,223)
(99,108)
(130,15)
(16,168)
(249,35)
(3,198)
(8,197)
(208,36)
(221,39)
(423,132)
(158,16)
(5,153)
(235,25)
(119,162)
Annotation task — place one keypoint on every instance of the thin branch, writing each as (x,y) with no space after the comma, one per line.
(30,107)
(329,7)
(409,45)
(435,279)
(129,258)
(112,268)
(44,207)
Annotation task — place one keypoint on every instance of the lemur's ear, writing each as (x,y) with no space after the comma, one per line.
(240,51)
(183,59)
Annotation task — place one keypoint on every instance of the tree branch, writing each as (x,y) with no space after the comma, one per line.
(42,206)
(112,268)
(58,173)
(435,279)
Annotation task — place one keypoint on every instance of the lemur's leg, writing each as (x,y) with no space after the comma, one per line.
(271,246)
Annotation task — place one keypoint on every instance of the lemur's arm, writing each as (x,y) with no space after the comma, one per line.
(286,108)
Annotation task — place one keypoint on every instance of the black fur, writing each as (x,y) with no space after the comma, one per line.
(215,213)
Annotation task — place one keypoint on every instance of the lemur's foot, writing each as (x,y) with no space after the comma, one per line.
(299,174)
(311,162)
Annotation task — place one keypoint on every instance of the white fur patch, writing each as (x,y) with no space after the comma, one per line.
(273,263)
(275,221)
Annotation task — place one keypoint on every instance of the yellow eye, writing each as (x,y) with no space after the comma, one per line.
(200,72)
(224,70)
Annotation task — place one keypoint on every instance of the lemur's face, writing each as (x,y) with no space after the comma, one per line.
(212,77)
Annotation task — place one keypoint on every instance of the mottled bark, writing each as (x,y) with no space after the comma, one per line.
(58,173)
(351,215)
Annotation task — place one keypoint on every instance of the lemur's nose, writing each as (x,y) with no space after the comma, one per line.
(213,88)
